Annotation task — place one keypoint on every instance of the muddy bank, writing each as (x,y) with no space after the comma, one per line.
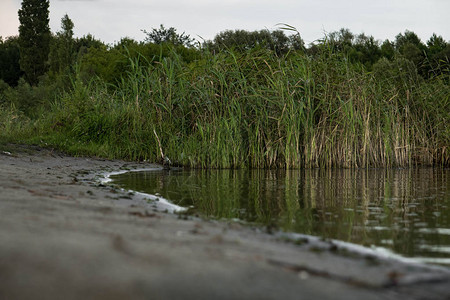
(64,235)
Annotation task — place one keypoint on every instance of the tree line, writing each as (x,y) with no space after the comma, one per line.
(39,58)
(243,99)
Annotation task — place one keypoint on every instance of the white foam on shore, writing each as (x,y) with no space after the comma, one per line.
(161,203)
(380,252)
(107,176)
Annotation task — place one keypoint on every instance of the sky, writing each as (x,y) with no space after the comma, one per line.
(111,20)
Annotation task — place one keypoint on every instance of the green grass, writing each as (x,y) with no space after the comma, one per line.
(253,109)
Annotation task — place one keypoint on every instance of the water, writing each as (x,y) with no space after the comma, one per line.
(406,211)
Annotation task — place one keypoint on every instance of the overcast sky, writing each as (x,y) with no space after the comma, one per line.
(110,20)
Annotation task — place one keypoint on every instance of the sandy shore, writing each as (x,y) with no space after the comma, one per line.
(65,236)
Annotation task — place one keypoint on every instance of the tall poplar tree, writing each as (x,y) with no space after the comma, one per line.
(34,38)
(62,47)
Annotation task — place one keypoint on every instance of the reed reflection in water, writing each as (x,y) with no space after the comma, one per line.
(403,210)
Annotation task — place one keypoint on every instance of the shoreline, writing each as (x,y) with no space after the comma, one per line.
(160,203)
(64,234)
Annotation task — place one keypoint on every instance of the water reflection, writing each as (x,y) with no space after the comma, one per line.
(404,210)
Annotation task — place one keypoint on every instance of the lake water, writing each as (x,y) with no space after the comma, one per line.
(406,211)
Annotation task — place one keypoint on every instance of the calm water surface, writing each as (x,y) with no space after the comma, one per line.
(406,211)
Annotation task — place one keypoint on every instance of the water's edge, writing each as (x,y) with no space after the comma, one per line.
(160,202)
(382,253)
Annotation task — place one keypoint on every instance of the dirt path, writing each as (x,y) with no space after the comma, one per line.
(65,236)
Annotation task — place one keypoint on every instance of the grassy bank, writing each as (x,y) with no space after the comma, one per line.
(250,109)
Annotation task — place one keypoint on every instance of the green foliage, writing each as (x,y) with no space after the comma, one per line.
(243,40)
(412,53)
(62,48)
(411,47)
(29,99)
(101,62)
(255,109)
(34,38)
(409,37)
(112,63)
(4,89)
(341,40)
(399,74)
(256,100)
(168,35)
(9,61)
(438,56)
(387,49)
(435,44)
(82,45)
(12,121)
(365,50)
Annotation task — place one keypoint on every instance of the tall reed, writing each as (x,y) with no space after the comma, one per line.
(258,110)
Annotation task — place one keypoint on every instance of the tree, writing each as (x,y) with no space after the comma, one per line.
(411,47)
(413,53)
(409,37)
(82,45)
(296,42)
(168,35)
(34,38)
(438,56)
(387,49)
(62,48)
(435,45)
(9,61)
(244,40)
(342,40)
(368,50)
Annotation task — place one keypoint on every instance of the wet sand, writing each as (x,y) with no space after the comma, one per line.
(64,235)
